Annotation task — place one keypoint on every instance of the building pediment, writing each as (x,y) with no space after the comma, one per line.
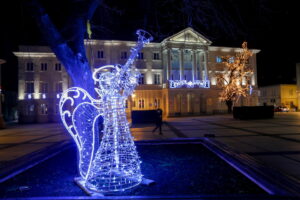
(188,35)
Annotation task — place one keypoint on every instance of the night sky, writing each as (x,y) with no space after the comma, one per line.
(269,25)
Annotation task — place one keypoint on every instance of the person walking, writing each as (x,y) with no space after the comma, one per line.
(158,121)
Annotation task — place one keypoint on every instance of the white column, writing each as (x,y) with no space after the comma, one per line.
(181,63)
(205,75)
(168,64)
(194,65)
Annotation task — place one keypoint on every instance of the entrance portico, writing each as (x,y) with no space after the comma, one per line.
(185,56)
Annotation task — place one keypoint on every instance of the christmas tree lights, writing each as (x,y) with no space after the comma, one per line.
(236,81)
(115,165)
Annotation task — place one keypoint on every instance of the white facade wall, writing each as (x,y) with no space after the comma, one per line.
(154,92)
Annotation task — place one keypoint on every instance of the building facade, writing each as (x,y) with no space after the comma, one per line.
(279,95)
(178,75)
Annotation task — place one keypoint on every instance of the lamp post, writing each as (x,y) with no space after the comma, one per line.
(2,124)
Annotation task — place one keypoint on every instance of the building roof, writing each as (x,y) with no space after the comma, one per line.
(188,35)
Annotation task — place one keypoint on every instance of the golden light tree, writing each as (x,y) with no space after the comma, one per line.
(235,81)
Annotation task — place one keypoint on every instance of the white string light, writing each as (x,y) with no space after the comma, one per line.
(189,84)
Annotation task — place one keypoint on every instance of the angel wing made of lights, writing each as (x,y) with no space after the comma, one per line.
(76,104)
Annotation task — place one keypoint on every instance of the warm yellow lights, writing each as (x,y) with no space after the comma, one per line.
(237,72)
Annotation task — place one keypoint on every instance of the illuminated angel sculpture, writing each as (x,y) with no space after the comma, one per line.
(115,164)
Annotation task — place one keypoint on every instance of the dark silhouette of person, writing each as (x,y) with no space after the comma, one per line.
(158,121)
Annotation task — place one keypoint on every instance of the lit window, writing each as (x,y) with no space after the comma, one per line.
(29,67)
(140,55)
(141,103)
(29,87)
(59,87)
(231,60)
(56,109)
(43,66)
(141,79)
(44,109)
(157,79)
(43,87)
(29,109)
(57,67)
(100,54)
(218,59)
(123,55)
(155,56)
(156,103)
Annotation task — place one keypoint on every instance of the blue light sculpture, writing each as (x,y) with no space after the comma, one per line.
(115,165)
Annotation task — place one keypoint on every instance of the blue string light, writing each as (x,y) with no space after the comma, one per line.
(115,165)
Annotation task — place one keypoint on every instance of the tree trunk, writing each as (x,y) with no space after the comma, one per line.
(229,104)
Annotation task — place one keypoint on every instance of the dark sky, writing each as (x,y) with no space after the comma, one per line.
(269,25)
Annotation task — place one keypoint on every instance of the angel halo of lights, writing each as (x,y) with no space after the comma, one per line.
(115,164)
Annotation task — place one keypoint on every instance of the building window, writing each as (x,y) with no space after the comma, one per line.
(44,109)
(140,55)
(157,79)
(44,87)
(218,59)
(156,103)
(231,60)
(291,92)
(57,67)
(29,87)
(141,79)
(29,67)
(43,66)
(155,56)
(133,104)
(123,55)
(141,103)
(56,109)
(29,110)
(58,87)
(100,54)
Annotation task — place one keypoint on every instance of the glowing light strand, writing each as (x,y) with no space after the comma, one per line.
(189,84)
(115,166)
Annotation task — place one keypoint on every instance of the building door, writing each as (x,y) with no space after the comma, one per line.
(190,103)
(202,102)
(177,104)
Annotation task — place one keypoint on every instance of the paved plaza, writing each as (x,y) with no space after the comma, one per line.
(275,142)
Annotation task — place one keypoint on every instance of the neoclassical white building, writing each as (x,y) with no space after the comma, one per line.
(177,75)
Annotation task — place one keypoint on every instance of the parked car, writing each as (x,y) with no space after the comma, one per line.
(281,109)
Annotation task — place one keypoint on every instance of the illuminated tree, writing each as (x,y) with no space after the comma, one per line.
(236,79)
